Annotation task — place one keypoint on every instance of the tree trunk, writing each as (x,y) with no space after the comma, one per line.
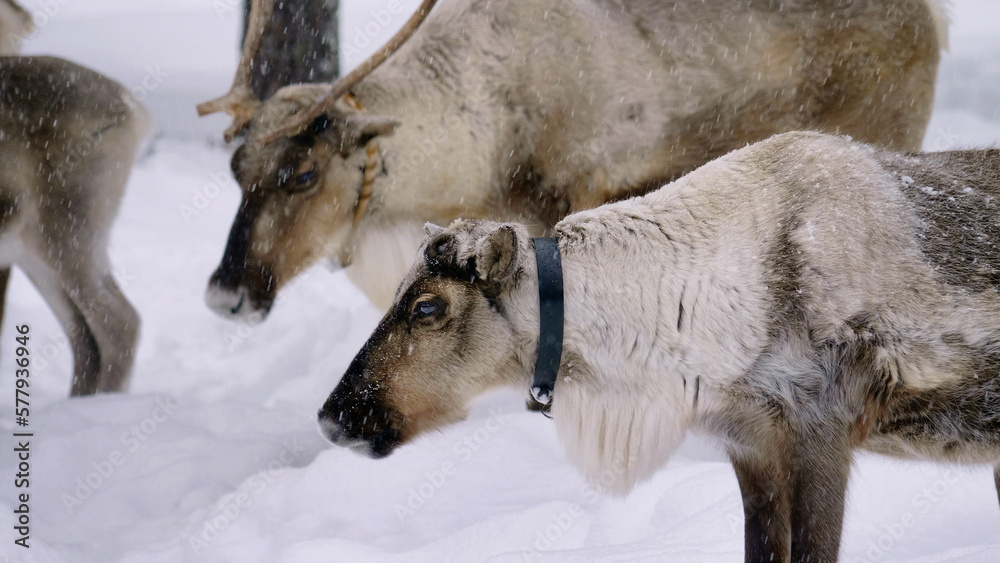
(300,44)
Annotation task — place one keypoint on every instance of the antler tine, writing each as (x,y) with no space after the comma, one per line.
(297,122)
(27,23)
(240,102)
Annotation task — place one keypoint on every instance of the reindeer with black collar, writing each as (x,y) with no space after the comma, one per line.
(794,300)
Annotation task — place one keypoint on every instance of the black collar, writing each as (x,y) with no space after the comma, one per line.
(550,309)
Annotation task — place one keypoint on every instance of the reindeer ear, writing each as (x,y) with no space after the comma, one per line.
(442,251)
(353,131)
(496,254)
(362,128)
(430,229)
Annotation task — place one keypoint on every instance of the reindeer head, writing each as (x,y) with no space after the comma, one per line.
(306,170)
(302,198)
(456,329)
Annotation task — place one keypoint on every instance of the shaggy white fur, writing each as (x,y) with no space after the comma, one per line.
(796,299)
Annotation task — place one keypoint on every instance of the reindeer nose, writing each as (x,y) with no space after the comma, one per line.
(378,442)
(330,427)
(235,300)
(224,301)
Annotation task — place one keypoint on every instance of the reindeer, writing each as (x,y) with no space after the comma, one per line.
(15,24)
(795,300)
(68,138)
(533,110)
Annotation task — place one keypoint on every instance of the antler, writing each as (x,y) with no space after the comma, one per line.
(297,122)
(240,102)
(27,24)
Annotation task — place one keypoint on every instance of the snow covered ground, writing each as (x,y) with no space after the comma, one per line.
(214,454)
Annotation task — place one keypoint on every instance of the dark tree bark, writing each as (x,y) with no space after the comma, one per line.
(300,44)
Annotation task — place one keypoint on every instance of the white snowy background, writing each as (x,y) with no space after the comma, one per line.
(214,454)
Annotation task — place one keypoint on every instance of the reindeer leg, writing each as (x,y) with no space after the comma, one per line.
(821,461)
(116,329)
(103,330)
(101,325)
(109,319)
(86,355)
(767,531)
(996,479)
(73,246)
(4,278)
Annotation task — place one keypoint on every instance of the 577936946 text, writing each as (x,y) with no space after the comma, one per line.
(22,440)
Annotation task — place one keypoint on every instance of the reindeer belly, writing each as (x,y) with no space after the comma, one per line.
(10,226)
(957,423)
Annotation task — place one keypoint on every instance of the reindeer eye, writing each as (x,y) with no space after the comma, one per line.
(426,309)
(429,308)
(306,177)
(293,183)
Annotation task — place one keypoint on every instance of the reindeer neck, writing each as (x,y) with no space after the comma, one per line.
(453,139)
